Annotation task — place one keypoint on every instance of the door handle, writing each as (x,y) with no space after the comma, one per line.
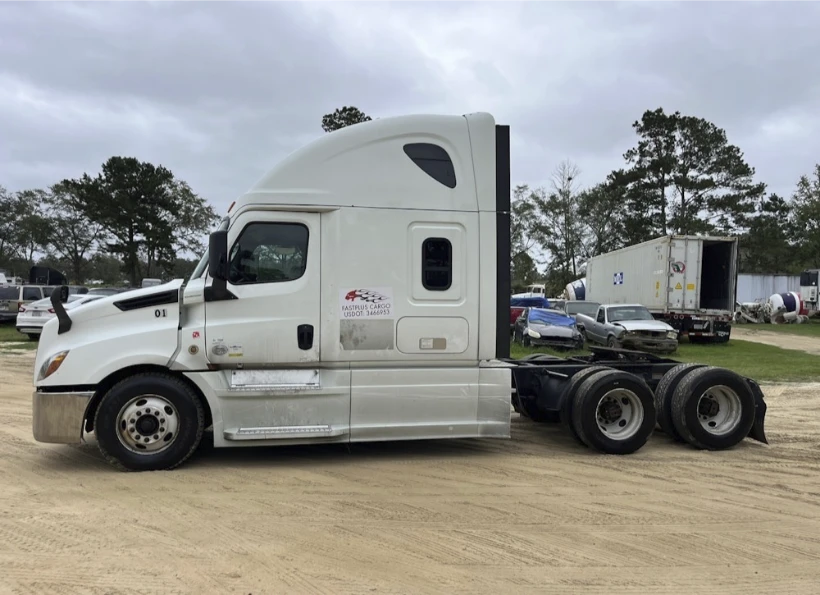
(304,336)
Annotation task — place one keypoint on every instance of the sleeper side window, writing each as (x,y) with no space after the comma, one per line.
(434,161)
(437,264)
(269,253)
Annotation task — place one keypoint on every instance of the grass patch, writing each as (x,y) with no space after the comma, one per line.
(11,339)
(764,363)
(810,329)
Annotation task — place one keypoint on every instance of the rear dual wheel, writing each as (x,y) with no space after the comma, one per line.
(712,408)
(663,397)
(613,412)
(568,399)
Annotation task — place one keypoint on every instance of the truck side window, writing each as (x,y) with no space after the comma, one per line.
(269,253)
(600,315)
(31,293)
(434,161)
(436,264)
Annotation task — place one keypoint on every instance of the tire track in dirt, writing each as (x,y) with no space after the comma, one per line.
(537,513)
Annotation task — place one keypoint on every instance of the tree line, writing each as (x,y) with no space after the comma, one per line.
(130,221)
(683,176)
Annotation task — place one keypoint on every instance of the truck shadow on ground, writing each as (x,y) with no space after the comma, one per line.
(528,439)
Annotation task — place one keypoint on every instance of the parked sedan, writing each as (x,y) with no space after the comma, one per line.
(518,304)
(32,317)
(547,328)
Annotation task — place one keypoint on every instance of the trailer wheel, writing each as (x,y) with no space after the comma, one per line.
(149,422)
(663,397)
(614,412)
(568,397)
(713,408)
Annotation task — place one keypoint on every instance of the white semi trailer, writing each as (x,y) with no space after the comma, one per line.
(689,282)
(360,291)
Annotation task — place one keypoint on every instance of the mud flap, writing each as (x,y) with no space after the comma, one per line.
(757,431)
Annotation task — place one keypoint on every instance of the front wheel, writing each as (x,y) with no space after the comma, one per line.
(149,422)
(612,342)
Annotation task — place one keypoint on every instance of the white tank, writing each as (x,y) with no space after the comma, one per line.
(576,290)
(785,307)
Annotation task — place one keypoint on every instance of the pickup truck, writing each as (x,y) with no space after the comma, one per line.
(628,326)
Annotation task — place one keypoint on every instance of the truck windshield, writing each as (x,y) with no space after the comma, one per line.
(629,313)
(203,262)
(577,307)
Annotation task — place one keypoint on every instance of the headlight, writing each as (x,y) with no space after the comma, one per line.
(52,364)
(672,335)
(533,334)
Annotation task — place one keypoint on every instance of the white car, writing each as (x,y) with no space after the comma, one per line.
(32,317)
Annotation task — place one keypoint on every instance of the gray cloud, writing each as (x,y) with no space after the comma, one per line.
(219,92)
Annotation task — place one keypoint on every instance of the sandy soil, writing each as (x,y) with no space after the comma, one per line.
(755,334)
(533,514)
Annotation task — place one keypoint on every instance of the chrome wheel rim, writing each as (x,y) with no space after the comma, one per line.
(147,424)
(719,410)
(619,414)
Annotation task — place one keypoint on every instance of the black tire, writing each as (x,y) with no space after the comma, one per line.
(663,397)
(612,342)
(685,403)
(568,397)
(585,411)
(191,422)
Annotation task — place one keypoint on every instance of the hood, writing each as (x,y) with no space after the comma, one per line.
(119,303)
(563,332)
(644,325)
(113,332)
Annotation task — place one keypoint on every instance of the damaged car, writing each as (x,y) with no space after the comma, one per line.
(541,327)
(628,326)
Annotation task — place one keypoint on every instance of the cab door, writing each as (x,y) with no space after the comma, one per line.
(275,277)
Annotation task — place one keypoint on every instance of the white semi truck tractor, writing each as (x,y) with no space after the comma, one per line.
(359,291)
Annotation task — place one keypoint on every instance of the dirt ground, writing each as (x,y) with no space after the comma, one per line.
(533,514)
(755,334)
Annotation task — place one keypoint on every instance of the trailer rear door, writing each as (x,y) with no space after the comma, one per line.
(684,274)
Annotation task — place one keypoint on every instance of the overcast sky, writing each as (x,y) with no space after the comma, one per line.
(219,92)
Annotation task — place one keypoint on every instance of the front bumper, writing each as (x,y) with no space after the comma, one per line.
(29,330)
(572,344)
(58,417)
(654,345)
